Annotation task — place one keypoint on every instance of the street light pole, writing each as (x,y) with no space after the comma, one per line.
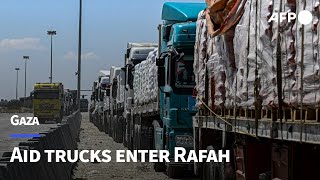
(51,33)
(79,56)
(25,76)
(17,69)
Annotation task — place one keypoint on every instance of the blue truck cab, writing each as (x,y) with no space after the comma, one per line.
(176,79)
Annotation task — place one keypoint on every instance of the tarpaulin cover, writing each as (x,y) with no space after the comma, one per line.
(245,58)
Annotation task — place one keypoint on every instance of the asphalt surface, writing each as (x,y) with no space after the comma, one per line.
(6,128)
(92,138)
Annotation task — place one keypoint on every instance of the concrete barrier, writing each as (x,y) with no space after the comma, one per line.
(64,137)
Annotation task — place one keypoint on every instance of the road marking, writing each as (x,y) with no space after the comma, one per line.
(19,136)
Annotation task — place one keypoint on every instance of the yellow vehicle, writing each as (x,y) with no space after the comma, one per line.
(48,101)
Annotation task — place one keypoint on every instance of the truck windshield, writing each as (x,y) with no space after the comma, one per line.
(84,102)
(184,77)
(46,95)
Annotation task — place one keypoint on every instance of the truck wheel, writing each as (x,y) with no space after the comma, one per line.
(59,120)
(108,125)
(174,171)
(211,170)
(113,126)
(120,129)
(159,167)
(41,121)
(100,122)
(116,130)
(105,124)
(124,132)
(136,136)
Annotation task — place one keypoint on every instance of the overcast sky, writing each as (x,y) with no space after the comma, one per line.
(107,27)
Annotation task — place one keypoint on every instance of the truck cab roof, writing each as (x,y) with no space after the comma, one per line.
(179,11)
(104,81)
(114,72)
(138,54)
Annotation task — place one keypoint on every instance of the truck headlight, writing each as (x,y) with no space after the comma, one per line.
(184,141)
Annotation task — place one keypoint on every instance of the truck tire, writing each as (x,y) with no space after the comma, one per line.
(108,124)
(124,132)
(59,120)
(41,120)
(211,170)
(136,137)
(157,166)
(119,130)
(100,117)
(90,116)
(105,123)
(174,171)
(114,126)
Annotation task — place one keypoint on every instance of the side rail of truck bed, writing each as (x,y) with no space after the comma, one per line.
(286,129)
(149,109)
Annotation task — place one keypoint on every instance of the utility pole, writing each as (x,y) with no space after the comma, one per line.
(25,76)
(17,69)
(79,55)
(51,33)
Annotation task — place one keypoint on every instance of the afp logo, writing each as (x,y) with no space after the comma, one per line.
(304,17)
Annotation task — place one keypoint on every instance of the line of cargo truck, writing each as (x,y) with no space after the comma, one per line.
(221,77)
(51,101)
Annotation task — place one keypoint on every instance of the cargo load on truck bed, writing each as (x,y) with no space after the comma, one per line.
(258,89)
(145,83)
(242,63)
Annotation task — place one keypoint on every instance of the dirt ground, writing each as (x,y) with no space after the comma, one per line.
(92,138)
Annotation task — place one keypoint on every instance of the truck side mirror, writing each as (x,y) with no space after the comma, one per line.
(101,96)
(31,95)
(108,92)
(96,96)
(128,53)
(160,61)
(181,55)
(114,88)
(130,79)
(166,34)
(161,76)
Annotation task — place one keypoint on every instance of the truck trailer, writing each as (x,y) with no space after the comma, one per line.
(136,53)
(257,90)
(97,104)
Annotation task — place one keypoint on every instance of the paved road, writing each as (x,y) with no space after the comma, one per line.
(6,128)
(92,138)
